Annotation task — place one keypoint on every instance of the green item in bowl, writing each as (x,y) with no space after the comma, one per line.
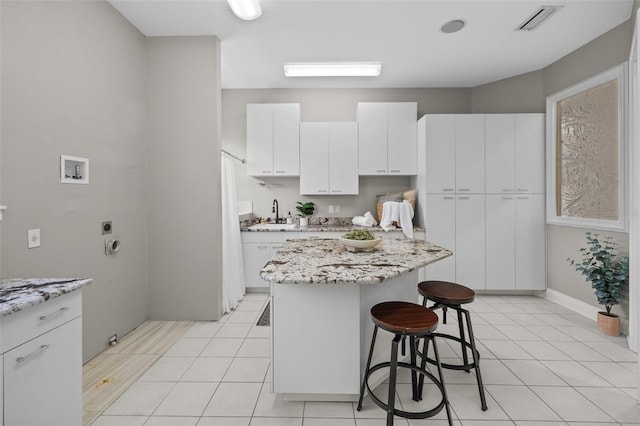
(359,234)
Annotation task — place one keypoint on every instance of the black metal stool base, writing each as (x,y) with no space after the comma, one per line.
(467,365)
(416,371)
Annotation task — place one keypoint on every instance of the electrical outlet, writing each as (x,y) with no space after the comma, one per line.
(33,238)
(337,209)
(113,340)
(330,209)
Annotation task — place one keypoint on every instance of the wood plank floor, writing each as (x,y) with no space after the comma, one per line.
(110,373)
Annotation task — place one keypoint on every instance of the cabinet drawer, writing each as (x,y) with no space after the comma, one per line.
(27,324)
(268,236)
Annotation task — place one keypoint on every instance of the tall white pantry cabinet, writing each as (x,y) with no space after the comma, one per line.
(481,178)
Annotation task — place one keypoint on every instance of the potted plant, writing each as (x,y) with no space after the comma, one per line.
(305,210)
(608,273)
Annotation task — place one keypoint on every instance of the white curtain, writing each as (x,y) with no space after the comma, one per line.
(232,266)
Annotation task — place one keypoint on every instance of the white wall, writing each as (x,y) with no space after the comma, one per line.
(184,178)
(73,82)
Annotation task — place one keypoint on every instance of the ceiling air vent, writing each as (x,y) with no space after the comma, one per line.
(538,17)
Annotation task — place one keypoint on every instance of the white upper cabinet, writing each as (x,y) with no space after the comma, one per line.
(515,153)
(530,147)
(440,142)
(387,138)
(273,139)
(500,132)
(469,162)
(402,138)
(329,158)
(343,158)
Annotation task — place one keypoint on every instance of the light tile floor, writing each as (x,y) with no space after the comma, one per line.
(542,365)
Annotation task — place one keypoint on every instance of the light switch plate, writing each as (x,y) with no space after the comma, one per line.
(33,236)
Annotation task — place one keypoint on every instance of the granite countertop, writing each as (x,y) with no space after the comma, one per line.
(327,261)
(321,224)
(20,293)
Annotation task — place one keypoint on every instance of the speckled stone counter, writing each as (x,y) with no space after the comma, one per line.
(20,293)
(327,261)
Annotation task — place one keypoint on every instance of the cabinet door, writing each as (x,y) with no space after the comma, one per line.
(500,153)
(372,138)
(343,158)
(470,241)
(500,245)
(259,139)
(402,134)
(530,242)
(470,153)
(440,216)
(255,256)
(529,158)
(314,158)
(286,139)
(441,153)
(43,379)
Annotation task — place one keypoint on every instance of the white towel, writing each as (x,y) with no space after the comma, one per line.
(361,221)
(402,213)
(372,219)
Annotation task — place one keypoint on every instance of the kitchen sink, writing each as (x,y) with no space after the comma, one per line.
(273,226)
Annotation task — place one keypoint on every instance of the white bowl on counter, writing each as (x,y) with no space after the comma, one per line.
(360,245)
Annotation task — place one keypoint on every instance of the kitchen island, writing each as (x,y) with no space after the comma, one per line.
(321,295)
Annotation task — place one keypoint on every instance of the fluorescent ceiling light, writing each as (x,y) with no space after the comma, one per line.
(333,69)
(246,9)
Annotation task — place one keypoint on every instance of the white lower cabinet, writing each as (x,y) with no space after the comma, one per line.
(515,242)
(257,250)
(440,209)
(470,241)
(41,371)
(43,377)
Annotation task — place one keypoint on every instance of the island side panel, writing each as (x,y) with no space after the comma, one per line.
(316,339)
(402,288)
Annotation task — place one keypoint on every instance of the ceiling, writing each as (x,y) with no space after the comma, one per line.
(402,34)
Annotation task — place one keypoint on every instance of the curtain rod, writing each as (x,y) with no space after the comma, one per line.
(242,160)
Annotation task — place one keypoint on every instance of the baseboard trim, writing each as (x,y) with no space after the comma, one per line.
(572,303)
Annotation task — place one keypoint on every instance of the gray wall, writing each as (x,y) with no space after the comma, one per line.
(323,105)
(527,93)
(184,178)
(73,82)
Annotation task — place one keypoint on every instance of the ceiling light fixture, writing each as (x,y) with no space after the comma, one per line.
(246,9)
(333,69)
(453,26)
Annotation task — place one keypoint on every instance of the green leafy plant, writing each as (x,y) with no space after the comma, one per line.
(359,234)
(305,209)
(607,272)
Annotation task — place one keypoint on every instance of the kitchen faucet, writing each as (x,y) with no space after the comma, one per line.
(274,209)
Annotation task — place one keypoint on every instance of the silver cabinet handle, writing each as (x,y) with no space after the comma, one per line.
(266,172)
(523,198)
(336,190)
(263,247)
(463,189)
(507,190)
(394,171)
(523,189)
(507,198)
(323,190)
(61,311)
(463,198)
(32,354)
(448,189)
(381,171)
(447,198)
(280,171)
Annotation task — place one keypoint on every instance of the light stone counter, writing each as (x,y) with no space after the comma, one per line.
(327,261)
(20,293)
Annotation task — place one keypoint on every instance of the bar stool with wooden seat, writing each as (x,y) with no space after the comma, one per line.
(447,295)
(417,322)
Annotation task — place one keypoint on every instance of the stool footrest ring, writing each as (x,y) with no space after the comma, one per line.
(462,367)
(406,414)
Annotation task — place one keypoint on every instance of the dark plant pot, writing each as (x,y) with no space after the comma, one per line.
(609,324)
